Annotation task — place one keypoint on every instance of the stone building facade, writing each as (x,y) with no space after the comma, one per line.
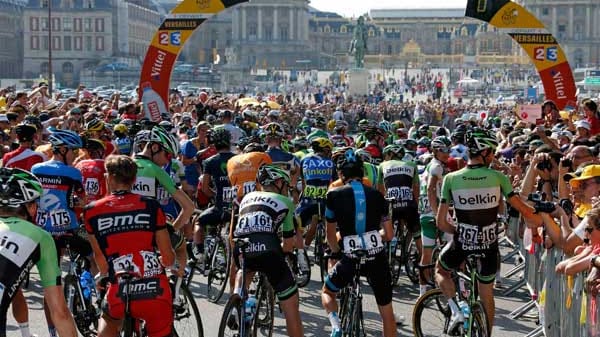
(11,38)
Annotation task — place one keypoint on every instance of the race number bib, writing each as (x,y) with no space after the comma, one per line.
(152,265)
(477,237)
(370,241)
(125,264)
(92,186)
(315,191)
(249,187)
(59,218)
(424,206)
(254,222)
(400,193)
(229,193)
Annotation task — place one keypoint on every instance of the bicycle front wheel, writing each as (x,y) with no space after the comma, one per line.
(431,314)
(479,326)
(232,317)
(218,275)
(358,327)
(186,316)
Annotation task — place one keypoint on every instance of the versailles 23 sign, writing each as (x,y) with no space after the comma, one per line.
(168,41)
(531,34)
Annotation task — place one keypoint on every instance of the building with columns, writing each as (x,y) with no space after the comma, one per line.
(11,38)
(574,24)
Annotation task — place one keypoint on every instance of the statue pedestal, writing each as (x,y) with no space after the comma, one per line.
(358,82)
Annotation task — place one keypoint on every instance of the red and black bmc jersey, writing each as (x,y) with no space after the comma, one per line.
(124,225)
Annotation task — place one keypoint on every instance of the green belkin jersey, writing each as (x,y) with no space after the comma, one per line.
(265,213)
(23,245)
(152,180)
(476,192)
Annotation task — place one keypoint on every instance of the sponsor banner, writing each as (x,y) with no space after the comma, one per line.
(530,112)
(166,45)
(543,49)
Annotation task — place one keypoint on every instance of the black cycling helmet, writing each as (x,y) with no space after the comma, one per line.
(18,187)
(220,137)
(348,160)
(269,173)
(274,130)
(25,132)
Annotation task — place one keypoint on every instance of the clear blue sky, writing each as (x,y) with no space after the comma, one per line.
(355,8)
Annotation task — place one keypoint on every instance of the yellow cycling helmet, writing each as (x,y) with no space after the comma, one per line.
(122,128)
(331,125)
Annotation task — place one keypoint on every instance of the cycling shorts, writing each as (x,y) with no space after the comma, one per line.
(307,208)
(76,244)
(452,256)
(213,216)
(381,282)
(428,231)
(176,237)
(410,215)
(154,306)
(275,268)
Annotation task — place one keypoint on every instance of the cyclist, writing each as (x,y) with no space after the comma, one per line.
(356,212)
(92,170)
(63,197)
(319,129)
(399,183)
(242,169)
(123,230)
(476,192)
(370,170)
(159,147)
(122,140)
(375,143)
(339,139)
(262,213)
(23,157)
(431,191)
(24,245)
(215,174)
(317,171)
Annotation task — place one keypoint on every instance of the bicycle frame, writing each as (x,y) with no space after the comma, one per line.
(473,262)
(354,296)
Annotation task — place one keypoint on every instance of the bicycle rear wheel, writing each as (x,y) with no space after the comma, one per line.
(186,316)
(395,262)
(232,317)
(85,320)
(358,326)
(431,315)
(411,259)
(479,326)
(218,274)
(320,251)
(265,309)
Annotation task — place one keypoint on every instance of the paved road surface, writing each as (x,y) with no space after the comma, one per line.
(313,317)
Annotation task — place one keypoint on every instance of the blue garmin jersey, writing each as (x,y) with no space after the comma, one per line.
(61,184)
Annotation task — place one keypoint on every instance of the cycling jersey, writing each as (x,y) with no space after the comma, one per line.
(398,177)
(242,169)
(175,171)
(341,140)
(94,181)
(216,167)
(283,159)
(24,245)
(23,158)
(459,151)
(476,192)
(317,173)
(124,145)
(317,133)
(152,180)
(62,185)
(125,226)
(339,183)
(375,152)
(437,169)
(189,149)
(301,154)
(261,216)
(371,173)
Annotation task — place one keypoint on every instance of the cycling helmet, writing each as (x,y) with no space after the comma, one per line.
(362,124)
(395,150)
(339,142)
(93,144)
(300,143)
(320,121)
(274,130)
(385,126)
(364,155)
(340,126)
(410,143)
(423,130)
(269,173)
(25,132)
(300,132)
(33,120)
(120,129)
(441,131)
(458,136)
(18,187)
(424,141)
(220,137)
(142,137)
(349,160)
(372,132)
(479,139)
(166,140)
(339,152)
(319,144)
(441,143)
(167,125)
(94,125)
(254,147)
(65,138)
(211,119)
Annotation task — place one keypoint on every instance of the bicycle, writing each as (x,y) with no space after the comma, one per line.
(403,252)
(218,264)
(301,278)
(350,309)
(235,320)
(320,244)
(434,302)
(84,312)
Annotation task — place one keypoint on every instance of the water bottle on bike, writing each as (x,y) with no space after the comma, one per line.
(86,280)
(250,308)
